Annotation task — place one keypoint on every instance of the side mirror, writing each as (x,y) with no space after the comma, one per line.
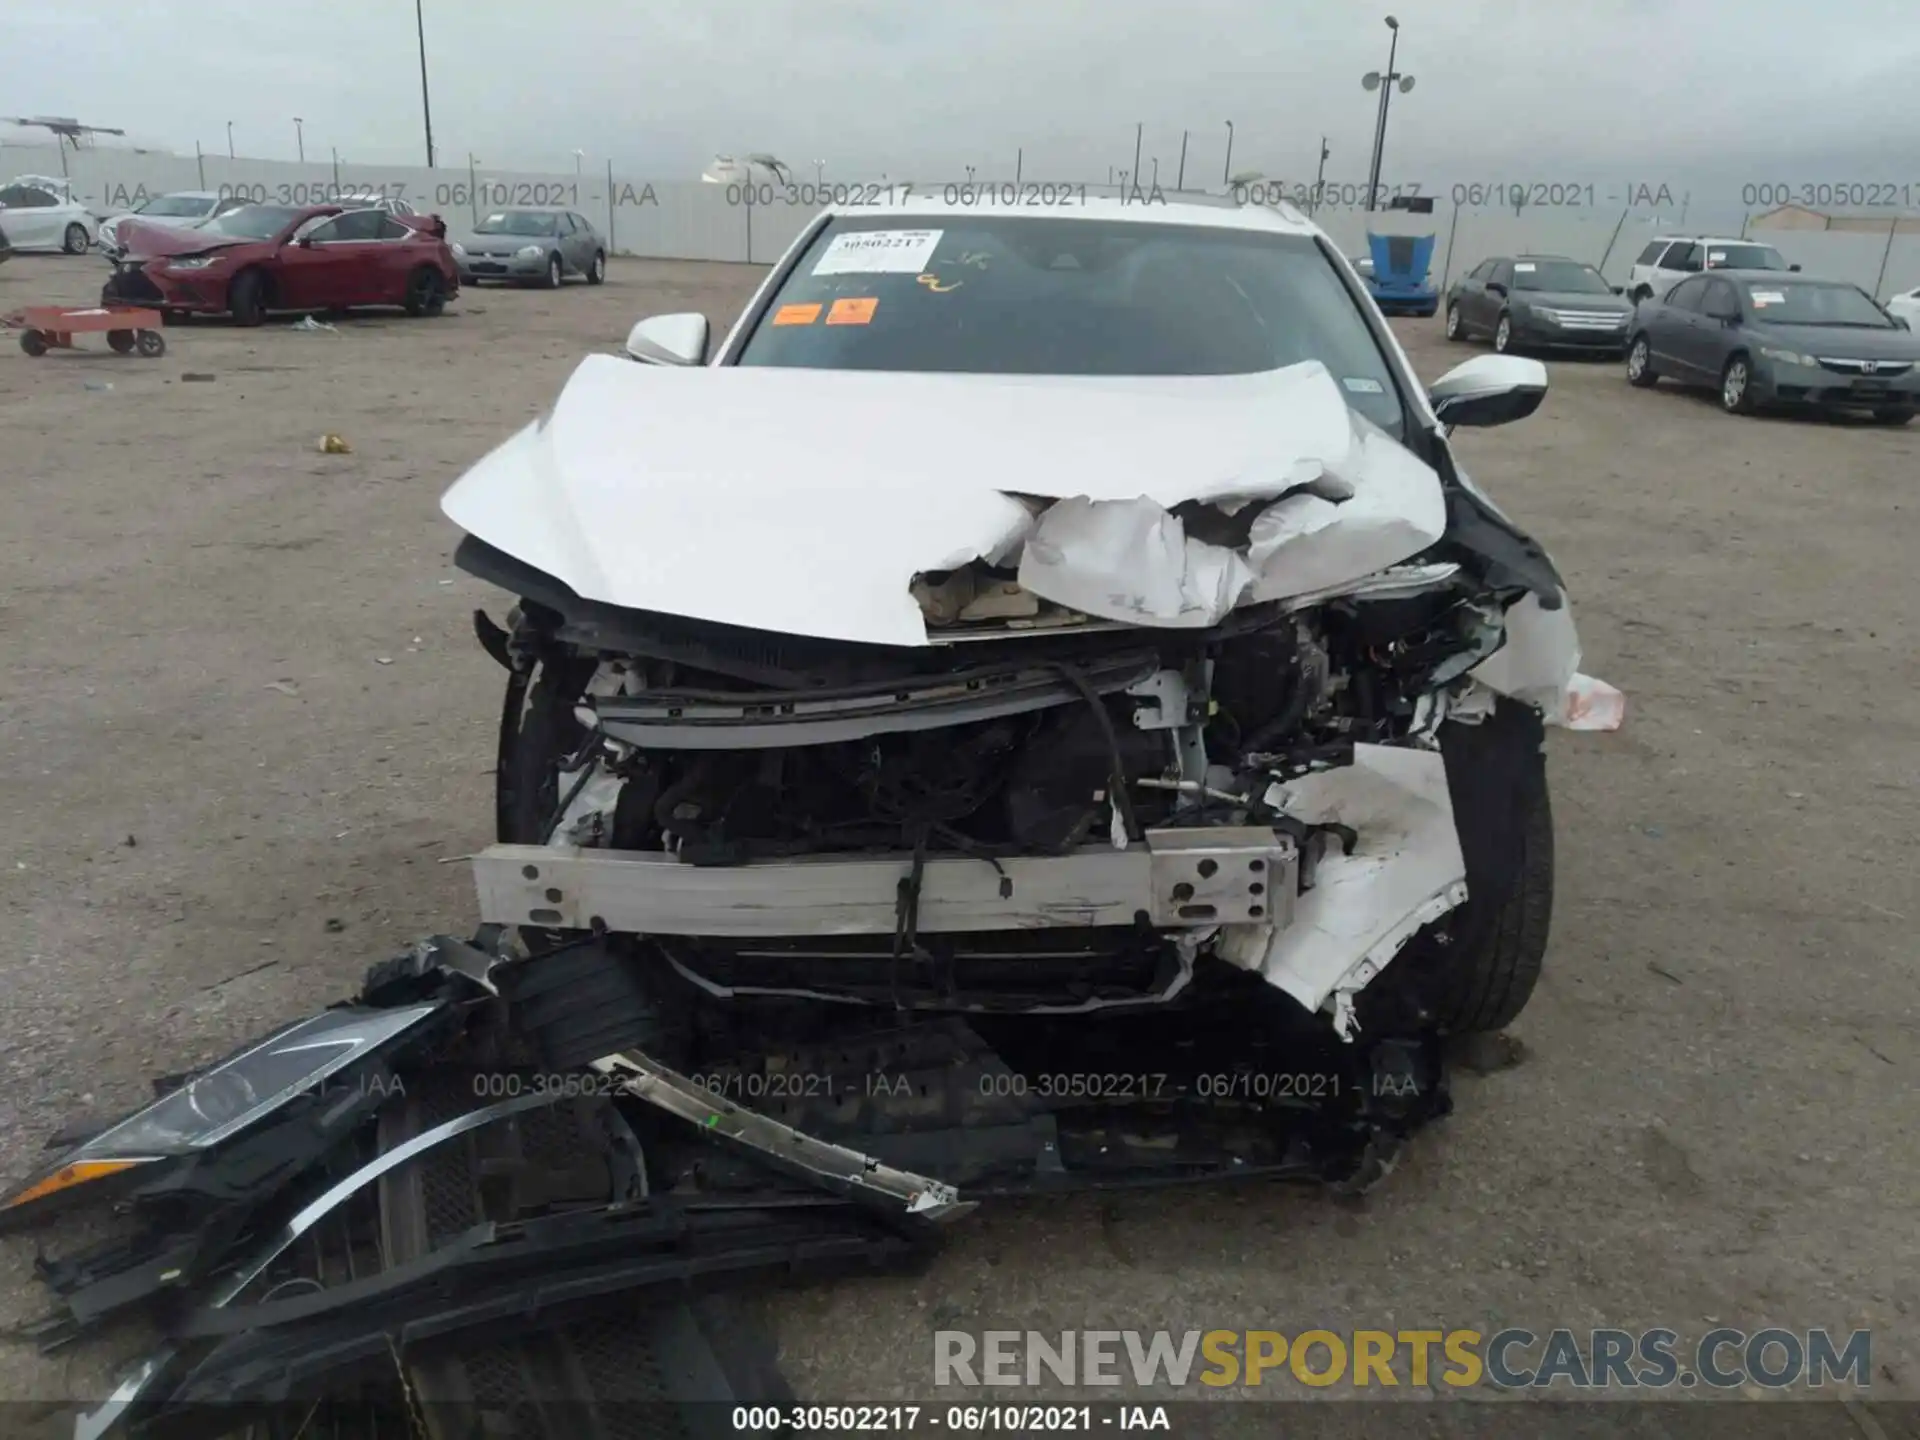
(1489,390)
(305,242)
(1619,289)
(1901,321)
(669,340)
(1794,268)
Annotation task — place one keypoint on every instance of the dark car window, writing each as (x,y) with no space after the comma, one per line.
(1010,295)
(1688,294)
(1804,303)
(517,222)
(1502,273)
(1651,255)
(1684,257)
(392,229)
(252,222)
(354,225)
(27,197)
(581,225)
(1721,302)
(1483,272)
(1569,276)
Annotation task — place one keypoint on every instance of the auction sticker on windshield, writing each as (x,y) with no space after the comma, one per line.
(866,252)
(1768,297)
(796,315)
(1523,267)
(853,311)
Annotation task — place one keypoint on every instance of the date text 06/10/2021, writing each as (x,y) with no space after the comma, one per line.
(1109,1088)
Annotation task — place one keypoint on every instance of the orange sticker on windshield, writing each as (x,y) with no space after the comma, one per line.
(796,315)
(857,311)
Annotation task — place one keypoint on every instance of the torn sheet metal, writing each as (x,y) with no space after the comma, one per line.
(705,491)
(1406,871)
(1540,664)
(1130,560)
(1307,542)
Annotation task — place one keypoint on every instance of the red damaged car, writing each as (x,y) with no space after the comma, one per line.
(262,258)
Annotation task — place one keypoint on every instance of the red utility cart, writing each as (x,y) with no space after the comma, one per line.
(48,327)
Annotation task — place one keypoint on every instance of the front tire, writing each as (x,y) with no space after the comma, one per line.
(1503,334)
(75,241)
(1640,370)
(1736,386)
(247,298)
(121,342)
(556,275)
(1496,942)
(1454,330)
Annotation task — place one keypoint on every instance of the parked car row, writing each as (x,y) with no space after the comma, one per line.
(1759,332)
(193,252)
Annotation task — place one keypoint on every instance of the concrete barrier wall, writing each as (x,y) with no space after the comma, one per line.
(686,220)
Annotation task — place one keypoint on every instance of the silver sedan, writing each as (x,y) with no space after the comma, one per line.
(531,245)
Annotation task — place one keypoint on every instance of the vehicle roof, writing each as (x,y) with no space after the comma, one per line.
(1777,277)
(1211,211)
(189,195)
(1568,258)
(1711,240)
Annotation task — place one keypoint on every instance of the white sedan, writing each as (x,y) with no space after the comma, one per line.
(178,210)
(39,212)
(1906,306)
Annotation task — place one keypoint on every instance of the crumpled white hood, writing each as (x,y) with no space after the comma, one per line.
(806,501)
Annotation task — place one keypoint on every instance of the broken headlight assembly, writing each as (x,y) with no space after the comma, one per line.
(325,1059)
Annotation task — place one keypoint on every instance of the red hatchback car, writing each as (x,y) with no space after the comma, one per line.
(262,258)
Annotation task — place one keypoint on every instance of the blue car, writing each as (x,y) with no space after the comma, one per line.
(1398,274)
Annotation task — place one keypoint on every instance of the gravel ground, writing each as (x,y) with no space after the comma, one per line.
(243,721)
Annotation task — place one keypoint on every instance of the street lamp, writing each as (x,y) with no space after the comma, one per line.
(300,139)
(819,171)
(1226,170)
(1384,83)
(426,106)
(230,139)
(579,159)
(725,170)
(1320,177)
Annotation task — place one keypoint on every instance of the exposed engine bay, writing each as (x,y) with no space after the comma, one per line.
(745,752)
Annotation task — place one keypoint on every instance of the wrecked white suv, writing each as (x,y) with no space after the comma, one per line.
(1039,635)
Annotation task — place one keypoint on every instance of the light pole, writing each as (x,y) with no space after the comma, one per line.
(1384,83)
(230,139)
(300,139)
(426,106)
(819,172)
(1180,181)
(1320,177)
(725,170)
(1226,170)
(579,158)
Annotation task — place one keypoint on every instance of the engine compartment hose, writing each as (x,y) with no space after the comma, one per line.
(1122,800)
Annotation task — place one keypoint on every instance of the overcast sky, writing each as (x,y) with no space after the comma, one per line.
(1521,89)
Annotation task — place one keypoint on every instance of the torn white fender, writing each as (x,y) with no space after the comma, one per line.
(1406,871)
(1540,665)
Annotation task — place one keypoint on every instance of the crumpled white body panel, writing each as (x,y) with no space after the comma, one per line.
(1405,872)
(805,501)
(1540,665)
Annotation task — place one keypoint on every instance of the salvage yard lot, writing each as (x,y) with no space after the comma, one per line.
(243,720)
